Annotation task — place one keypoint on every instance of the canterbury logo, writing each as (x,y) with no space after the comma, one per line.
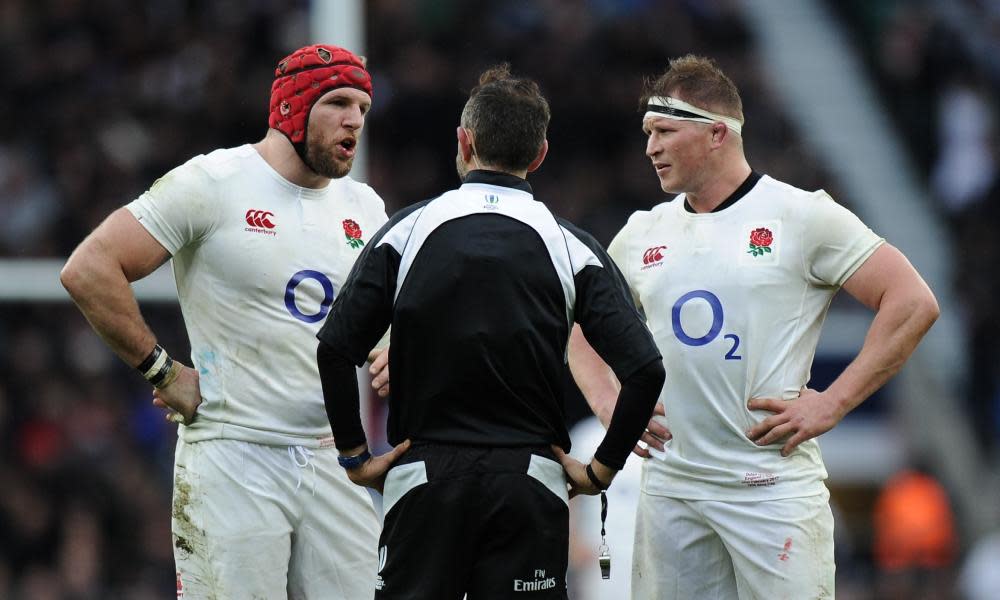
(260,218)
(653,255)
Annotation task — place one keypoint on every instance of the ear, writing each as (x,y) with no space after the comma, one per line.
(719,134)
(540,158)
(464,143)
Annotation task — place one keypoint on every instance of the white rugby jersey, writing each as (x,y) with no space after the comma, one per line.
(735,300)
(258,262)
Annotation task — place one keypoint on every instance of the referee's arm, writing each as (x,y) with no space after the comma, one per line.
(608,318)
(357,320)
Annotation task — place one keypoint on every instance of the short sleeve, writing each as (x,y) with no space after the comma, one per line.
(179,208)
(835,242)
(618,251)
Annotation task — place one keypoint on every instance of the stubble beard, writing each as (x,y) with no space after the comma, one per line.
(321,159)
(460,167)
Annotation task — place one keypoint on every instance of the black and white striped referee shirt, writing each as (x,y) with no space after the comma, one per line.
(481,286)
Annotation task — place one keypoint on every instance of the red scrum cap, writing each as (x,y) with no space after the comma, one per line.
(305,75)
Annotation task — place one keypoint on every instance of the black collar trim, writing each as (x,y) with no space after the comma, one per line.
(741,191)
(497,178)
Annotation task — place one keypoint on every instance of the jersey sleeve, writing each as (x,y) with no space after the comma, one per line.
(835,242)
(179,208)
(606,312)
(618,251)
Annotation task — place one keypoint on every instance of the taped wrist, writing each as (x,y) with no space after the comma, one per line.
(158,368)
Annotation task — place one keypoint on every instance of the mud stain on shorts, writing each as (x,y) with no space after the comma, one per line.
(187,537)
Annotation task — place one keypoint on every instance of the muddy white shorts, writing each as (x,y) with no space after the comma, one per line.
(255,521)
(775,549)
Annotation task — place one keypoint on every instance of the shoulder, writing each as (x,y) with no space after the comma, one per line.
(583,236)
(584,249)
(363,192)
(200,174)
(779,190)
(220,164)
(796,205)
(397,229)
(410,211)
(641,221)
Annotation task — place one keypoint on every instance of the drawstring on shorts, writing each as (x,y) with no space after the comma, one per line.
(296,452)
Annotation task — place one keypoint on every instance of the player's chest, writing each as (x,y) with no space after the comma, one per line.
(265,241)
(737,256)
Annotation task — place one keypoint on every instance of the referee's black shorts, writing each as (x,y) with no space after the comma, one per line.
(491,523)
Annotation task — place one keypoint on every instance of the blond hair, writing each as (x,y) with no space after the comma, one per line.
(699,81)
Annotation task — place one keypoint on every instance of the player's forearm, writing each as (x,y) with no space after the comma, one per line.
(596,380)
(902,320)
(100,289)
(341,398)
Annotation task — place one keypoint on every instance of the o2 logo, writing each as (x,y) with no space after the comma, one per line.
(324,305)
(713,332)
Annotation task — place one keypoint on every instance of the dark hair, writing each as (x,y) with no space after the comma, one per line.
(508,117)
(699,81)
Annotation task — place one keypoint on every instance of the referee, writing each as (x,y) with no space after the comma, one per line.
(481,286)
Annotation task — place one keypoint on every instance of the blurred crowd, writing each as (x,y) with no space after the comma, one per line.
(935,63)
(104,96)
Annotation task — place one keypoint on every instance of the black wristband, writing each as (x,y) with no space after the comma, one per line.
(594,480)
(148,362)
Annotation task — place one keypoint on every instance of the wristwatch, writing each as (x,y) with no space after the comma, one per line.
(353,462)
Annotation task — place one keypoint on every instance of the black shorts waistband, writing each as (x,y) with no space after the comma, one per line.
(452,460)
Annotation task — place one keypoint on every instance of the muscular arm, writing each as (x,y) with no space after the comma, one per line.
(97,276)
(905,308)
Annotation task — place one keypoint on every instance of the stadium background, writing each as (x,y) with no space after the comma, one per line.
(888,105)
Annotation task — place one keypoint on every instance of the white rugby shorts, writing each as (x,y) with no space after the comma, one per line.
(255,521)
(775,549)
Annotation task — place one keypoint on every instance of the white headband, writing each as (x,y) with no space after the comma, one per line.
(672,108)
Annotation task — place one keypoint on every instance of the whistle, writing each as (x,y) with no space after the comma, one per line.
(605,561)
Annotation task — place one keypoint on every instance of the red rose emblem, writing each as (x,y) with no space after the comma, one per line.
(760,241)
(353,233)
(761,237)
(353,230)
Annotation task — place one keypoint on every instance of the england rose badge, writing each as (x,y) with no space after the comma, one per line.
(352,231)
(760,241)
